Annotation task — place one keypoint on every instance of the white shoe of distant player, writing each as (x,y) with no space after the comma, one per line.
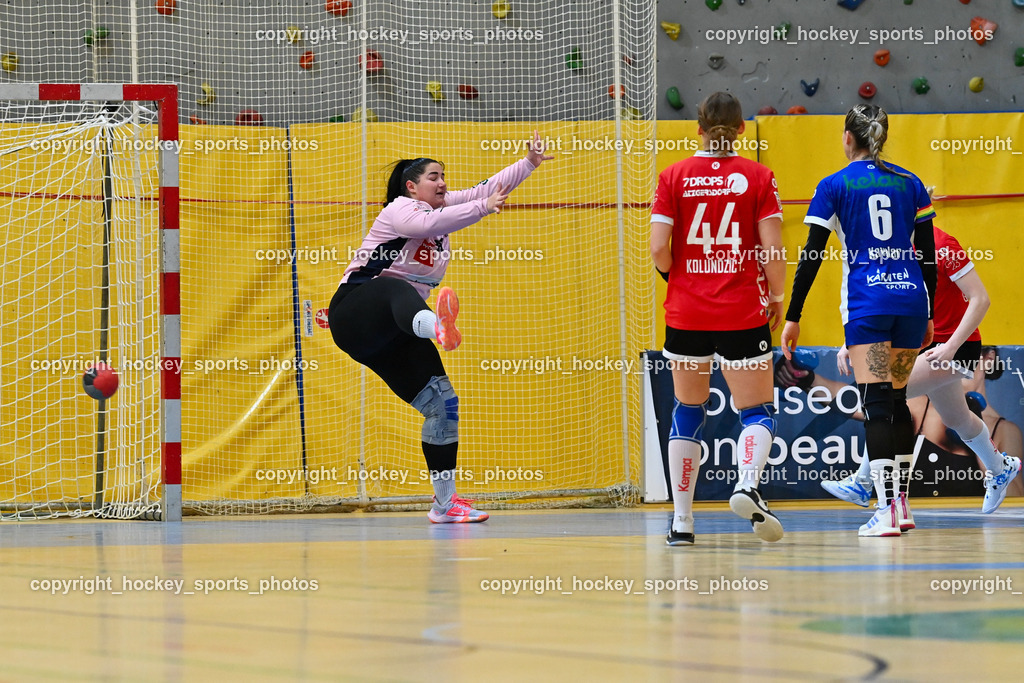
(995,487)
(848,489)
(885,522)
(906,517)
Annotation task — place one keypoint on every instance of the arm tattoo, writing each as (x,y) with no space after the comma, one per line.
(903,365)
(878,360)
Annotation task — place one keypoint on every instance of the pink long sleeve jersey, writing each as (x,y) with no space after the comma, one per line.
(409,240)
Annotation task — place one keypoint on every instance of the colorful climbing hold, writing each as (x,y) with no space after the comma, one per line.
(293,34)
(573,59)
(1018,56)
(867,90)
(921,86)
(93,37)
(249,117)
(810,88)
(671,30)
(468,92)
(716,61)
(976,84)
(501,9)
(767,111)
(9,61)
(781,31)
(797,110)
(208,94)
(612,91)
(908,2)
(850,4)
(338,8)
(359,114)
(337,118)
(630,114)
(965,2)
(882,57)
(374,62)
(434,88)
(166,7)
(196,121)
(307,59)
(713,4)
(674,100)
(982,29)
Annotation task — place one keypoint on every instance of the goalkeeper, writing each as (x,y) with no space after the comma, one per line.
(379,314)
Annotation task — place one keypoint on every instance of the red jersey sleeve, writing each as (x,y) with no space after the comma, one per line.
(769,204)
(953,261)
(663,209)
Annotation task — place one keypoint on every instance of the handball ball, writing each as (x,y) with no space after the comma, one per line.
(100,381)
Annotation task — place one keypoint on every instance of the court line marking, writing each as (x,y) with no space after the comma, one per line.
(937,566)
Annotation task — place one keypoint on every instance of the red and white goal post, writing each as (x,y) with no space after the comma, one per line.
(89,272)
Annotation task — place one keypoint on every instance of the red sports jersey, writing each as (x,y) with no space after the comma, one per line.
(950,302)
(714,205)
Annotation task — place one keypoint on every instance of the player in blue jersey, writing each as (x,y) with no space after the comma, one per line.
(882,216)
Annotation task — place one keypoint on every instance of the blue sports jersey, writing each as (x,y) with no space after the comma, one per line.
(874,213)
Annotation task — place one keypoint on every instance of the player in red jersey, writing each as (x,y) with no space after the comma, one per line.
(960,304)
(716,236)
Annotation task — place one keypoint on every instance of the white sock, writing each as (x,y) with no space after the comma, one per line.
(752,450)
(903,469)
(683,467)
(444,486)
(423,324)
(986,451)
(883,472)
(864,473)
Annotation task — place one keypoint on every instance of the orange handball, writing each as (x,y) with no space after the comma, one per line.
(166,7)
(306,61)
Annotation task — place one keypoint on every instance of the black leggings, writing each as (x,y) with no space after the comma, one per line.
(372,323)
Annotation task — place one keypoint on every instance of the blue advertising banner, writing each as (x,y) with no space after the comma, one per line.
(821,436)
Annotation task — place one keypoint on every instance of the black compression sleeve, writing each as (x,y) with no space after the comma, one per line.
(924,244)
(807,270)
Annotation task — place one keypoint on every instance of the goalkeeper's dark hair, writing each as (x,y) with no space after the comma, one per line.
(405,170)
(869,126)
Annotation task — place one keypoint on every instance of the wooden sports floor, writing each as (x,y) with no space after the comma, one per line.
(525,596)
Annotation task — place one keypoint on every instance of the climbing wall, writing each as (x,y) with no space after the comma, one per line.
(298,61)
(817,54)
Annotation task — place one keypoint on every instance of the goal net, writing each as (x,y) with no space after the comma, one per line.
(80,211)
(291,114)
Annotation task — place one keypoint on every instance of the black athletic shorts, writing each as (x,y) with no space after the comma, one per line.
(740,347)
(966,360)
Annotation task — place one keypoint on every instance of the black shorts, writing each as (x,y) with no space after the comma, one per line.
(966,360)
(742,347)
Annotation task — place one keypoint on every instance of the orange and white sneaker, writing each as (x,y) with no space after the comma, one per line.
(447,310)
(456,512)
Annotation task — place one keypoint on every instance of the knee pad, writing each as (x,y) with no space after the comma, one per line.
(687,422)
(877,401)
(440,406)
(759,415)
